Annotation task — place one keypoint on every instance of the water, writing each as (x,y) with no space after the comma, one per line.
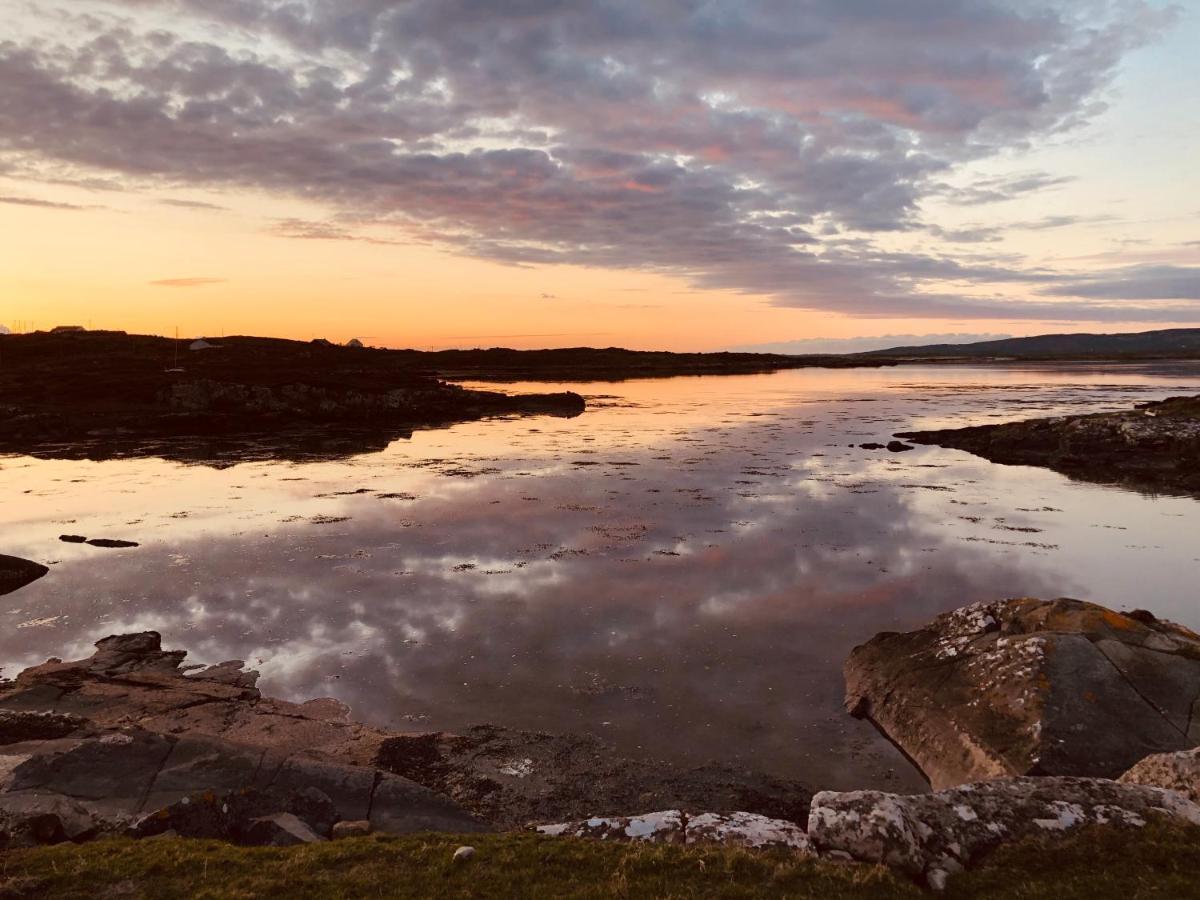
(681,571)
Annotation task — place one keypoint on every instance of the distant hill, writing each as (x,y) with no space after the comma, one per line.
(1171,343)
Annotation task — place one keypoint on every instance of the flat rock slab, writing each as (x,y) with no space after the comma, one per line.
(16,573)
(397,782)
(932,836)
(1030,687)
(674,826)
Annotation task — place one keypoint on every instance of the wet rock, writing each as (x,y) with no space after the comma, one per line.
(111,544)
(673,826)
(20,726)
(511,777)
(873,446)
(280,830)
(350,830)
(931,836)
(16,573)
(899,447)
(1029,687)
(1179,772)
(73,538)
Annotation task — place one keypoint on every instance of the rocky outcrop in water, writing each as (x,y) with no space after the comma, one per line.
(102,395)
(1155,447)
(933,836)
(15,573)
(1030,687)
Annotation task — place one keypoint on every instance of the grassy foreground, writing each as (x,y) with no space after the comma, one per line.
(1159,862)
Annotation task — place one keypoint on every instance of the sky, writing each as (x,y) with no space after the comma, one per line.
(674,174)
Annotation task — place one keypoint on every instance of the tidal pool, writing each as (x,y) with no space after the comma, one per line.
(680,571)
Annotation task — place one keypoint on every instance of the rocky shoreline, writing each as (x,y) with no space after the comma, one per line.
(1023,714)
(99,395)
(1153,448)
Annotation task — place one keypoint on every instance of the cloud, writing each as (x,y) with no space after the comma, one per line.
(187,282)
(191,204)
(865,344)
(720,141)
(1135,283)
(42,204)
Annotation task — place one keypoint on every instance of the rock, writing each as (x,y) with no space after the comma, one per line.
(73,538)
(463,854)
(351,830)
(899,447)
(29,819)
(1029,687)
(111,544)
(1155,447)
(511,778)
(666,827)
(280,830)
(873,446)
(931,836)
(1179,772)
(237,815)
(741,829)
(16,573)
(19,726)
(673,826)
(400,806)
(112,777)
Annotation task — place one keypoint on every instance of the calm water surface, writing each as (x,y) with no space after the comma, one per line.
(681,570)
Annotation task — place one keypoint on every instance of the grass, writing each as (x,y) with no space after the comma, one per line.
(1159,862)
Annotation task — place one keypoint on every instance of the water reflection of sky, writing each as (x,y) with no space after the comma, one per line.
(681,570)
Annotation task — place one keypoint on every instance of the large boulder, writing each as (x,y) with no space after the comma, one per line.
(932,836)
(674,826)
(1030,687)
(1178,772)
(15,573)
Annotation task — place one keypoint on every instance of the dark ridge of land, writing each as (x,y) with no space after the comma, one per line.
(102,395)
(612,363)
(1154,447)
(1171,343)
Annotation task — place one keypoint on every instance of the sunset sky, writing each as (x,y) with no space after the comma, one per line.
(677,174)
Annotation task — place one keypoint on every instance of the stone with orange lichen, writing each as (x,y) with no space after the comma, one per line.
(1030,687)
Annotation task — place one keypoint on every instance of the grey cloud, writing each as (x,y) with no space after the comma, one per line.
(865,344)
(42,204)
(708,140)
(192,204)
(1135,283)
